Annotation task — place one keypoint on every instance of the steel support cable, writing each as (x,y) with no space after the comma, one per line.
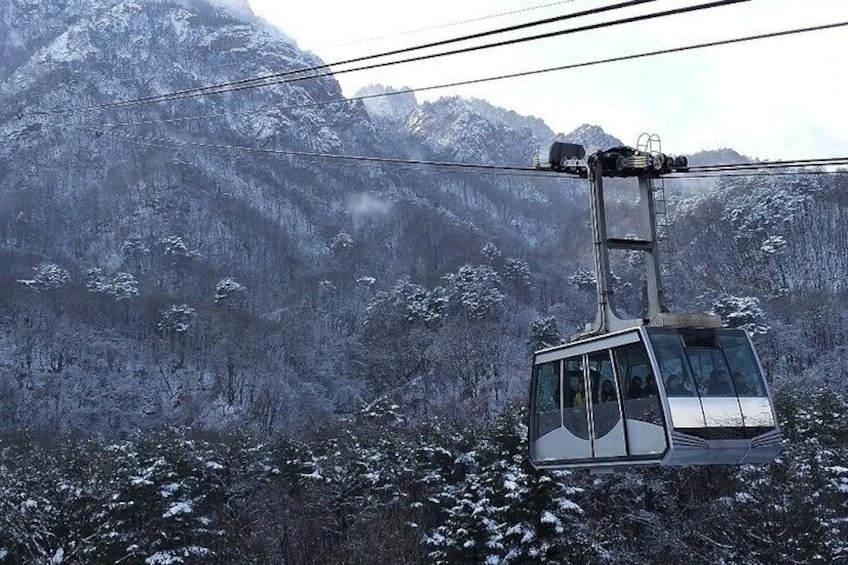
(237,86)
(514,169)
(731,175)
(444,25)
(213,89)
(521,74)
(420,30)
(771,164)
(315,155)
(499,172)
(450,167)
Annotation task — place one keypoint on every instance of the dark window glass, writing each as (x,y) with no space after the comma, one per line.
(713,374)
(699,368)
(700,340)
(637,384)
(707,363)
(574,415)
(744,371)
(548,415)
(605,409)
(674,369)
(642,408)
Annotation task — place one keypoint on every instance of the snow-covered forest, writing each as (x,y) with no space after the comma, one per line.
(219,357)
(374,489)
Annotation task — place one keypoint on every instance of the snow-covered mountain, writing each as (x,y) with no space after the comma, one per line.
(153,272)
(121,211)
(511,119)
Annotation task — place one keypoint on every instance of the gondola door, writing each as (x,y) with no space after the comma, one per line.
(608,439)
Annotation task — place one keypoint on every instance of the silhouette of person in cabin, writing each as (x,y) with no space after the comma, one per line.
(674,386)
(607,392)
(580,395)
(719,383)
(635,389)
(650,386)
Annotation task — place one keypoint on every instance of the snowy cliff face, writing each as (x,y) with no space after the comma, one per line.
(717,157)
(27,25)
(238,8)
(124,50)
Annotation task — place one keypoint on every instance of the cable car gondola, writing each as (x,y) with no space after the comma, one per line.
(665,389)
(651,396)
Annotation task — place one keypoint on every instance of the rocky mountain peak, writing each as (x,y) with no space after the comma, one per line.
(397,106)
(511,119)
(239,8)
(591,137)
(723,156)
(474,131)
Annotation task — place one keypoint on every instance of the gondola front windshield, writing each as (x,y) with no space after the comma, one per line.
(707,363)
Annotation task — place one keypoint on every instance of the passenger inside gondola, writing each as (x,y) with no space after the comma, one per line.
(719,384)
(570,391)
(635,389)
(650,386)
(580,395)
(698,382)
(674,386)
(607,392)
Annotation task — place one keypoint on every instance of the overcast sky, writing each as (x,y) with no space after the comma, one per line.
(778,98)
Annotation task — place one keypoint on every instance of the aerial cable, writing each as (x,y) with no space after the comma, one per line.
(340,157)
(444,25)
(254,83)
(771,164)
(212,89)
(416,31)
(488,170)
(287,77)
(452,167)
(520,74)
(518,170)
(742,174)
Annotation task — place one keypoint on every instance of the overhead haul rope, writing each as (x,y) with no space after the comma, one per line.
(443,26)
(283,78)
(316,155)
(258,81)
(518,170)
(769,164)
(573,66)
(419,30)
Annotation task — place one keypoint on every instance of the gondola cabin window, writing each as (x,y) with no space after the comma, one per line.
(548,414)
(605,410)
(674,368)
(744,370)
(642,408)
(574,415)
(708,364)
